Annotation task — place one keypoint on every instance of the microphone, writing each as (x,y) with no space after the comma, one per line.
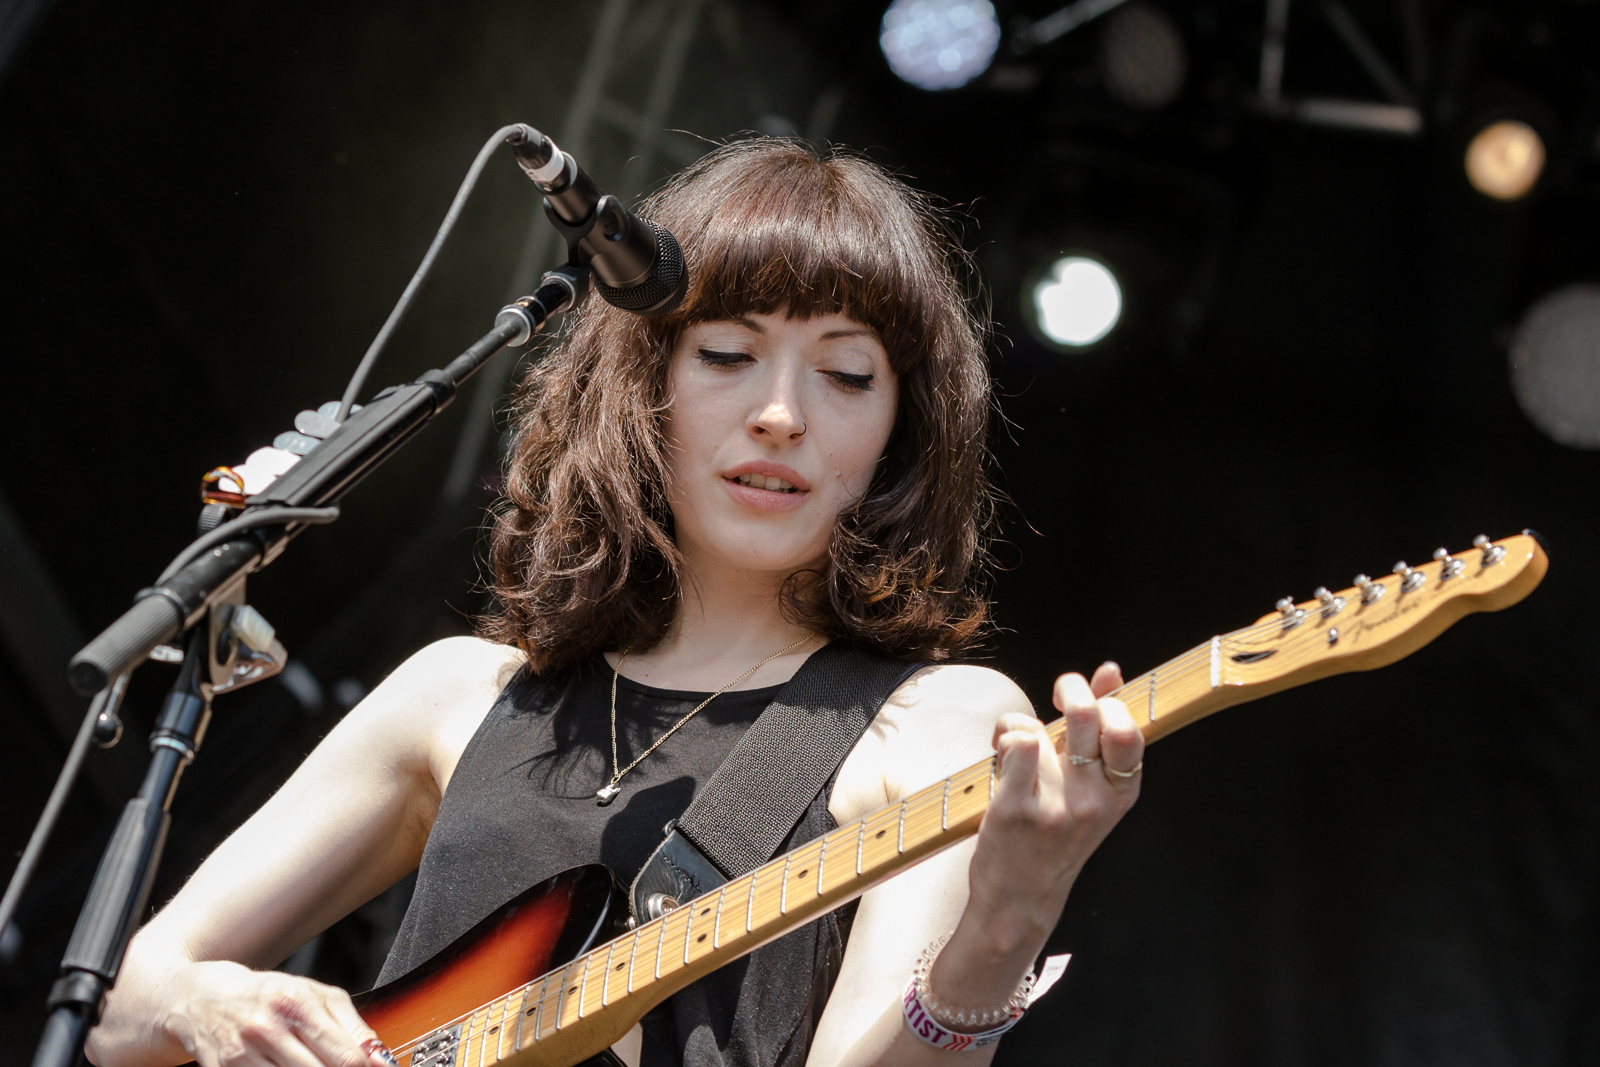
(637,265)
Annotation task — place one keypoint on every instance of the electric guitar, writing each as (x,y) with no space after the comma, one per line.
(559,974)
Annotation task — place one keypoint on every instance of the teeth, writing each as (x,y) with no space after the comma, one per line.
(765,481)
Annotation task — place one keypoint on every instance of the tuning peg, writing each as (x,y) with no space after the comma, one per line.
(1292,616)
(1410,578)
(1492,553)
(1449,566)
(1331,605)
(1371,591)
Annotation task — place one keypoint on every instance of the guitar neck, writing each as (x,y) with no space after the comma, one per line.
(596,998)
(580,1009)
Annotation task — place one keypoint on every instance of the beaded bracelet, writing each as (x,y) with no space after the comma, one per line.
(962,1017)
(931,1022)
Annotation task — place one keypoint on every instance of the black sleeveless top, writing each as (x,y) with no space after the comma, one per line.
(521,807)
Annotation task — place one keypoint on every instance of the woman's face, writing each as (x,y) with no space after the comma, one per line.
(774,426)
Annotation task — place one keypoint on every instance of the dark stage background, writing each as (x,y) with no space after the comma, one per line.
(206,211)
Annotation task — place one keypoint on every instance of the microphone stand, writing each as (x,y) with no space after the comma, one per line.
(206,585)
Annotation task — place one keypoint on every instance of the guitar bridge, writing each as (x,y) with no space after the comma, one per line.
(438,1049)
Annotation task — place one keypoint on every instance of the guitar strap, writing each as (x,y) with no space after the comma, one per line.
(752,803)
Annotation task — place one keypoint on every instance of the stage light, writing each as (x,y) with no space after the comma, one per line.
(1504,159)
(939,44)
(1077,302)
(1555,365)
(1143,61)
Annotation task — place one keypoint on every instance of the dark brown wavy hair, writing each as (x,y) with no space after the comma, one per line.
(582,545)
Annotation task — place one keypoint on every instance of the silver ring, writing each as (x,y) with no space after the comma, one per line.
(1137,767)
(1082,761)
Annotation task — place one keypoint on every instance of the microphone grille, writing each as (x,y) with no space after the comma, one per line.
(660,292)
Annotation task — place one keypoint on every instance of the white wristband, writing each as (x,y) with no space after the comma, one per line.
(921,1024)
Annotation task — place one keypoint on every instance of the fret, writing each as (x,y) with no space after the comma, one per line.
(944,807)
(605,982)
(498,1030)
(750,908)
(633,955)
(716,923)
(583,980)
(861,843)
(522,1013)
(538,1009)
(900,843)
(783,896)
(1151,712)
(688,928)
(1216,662)
(563,995)
(702,908)
(661,942)
(821,858)
(921,813)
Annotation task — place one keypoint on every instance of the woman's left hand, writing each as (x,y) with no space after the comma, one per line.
(1049,812)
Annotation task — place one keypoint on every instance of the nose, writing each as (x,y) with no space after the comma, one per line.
(778,418)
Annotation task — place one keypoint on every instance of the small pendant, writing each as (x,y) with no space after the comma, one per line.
(607,793)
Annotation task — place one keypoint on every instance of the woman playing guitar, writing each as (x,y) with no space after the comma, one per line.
(695,505)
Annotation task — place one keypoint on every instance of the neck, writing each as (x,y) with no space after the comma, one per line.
(727,620)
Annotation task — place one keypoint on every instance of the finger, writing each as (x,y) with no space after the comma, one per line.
(1107,676)
(276,1046)
(343,1010)
(1017,754)
(326,1039)
(1077,704)
(1011,720)
(1121,743)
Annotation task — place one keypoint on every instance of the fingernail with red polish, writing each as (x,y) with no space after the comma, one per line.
(376,1049)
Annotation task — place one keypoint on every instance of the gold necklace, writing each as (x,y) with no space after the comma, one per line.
(608,792)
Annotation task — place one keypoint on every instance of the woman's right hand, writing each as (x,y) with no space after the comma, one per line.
(226,1015)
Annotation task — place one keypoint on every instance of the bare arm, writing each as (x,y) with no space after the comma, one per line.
(350,822)
(1000,893)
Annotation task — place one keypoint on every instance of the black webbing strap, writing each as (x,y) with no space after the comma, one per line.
(744,813)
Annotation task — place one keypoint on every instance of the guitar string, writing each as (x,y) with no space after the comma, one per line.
(1195,656)
(1192,657)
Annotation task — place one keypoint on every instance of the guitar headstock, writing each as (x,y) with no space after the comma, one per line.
(1376,621)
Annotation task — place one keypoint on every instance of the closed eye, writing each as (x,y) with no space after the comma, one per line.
(856,382)
(712,358)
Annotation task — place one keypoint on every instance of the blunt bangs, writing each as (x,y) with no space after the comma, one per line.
(807,235)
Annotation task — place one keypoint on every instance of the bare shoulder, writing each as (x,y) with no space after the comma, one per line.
(939,720)
(950,710)
(433,702)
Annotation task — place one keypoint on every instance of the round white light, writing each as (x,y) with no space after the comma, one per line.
(1077,302)
(939,44)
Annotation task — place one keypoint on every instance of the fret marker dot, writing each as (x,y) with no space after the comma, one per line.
(621,965)
(802,874)
(702,937)
(705,911)
(880,833)
(574,989)
(968,789)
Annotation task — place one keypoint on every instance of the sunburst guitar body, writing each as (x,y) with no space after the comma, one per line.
(557,975)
